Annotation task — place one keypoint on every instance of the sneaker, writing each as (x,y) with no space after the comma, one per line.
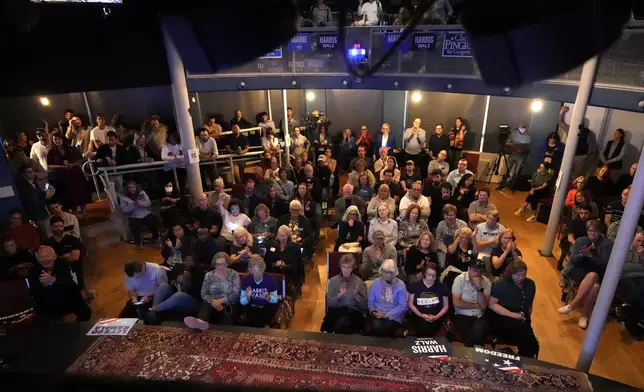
(583,322)
(519,212)
(195,323)
(139,246)
(565,309)
(532,218)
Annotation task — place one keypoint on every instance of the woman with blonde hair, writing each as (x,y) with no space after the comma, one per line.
(350,231)
(410,226)
(383,196)
(504,253)
(578,185)
(283,256)
(419,254)
(385,224)
(463,250)
(242,249)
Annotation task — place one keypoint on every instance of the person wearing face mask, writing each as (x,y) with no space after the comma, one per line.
(511,302)
(387,301)
(586,266)
(346,300)
(171,206)
(428,302)
(519,144)
(53,289)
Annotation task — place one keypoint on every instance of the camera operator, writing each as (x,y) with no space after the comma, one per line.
(518,143)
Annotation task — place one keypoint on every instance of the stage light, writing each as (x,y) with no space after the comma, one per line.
(536,105)
(44,101)
(194,99)
(310,96)
(416,97)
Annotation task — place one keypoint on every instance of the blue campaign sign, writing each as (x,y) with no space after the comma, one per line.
(273,54)
(423,41)
(391,38)
(327,42)
(300,43)
(456,44)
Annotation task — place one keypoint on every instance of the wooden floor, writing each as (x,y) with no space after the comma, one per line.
(618,356)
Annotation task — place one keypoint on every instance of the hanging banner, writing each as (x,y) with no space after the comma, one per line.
(274,54)
(456,44)
(423,41)
(300,43)
(391,38)
(327,42)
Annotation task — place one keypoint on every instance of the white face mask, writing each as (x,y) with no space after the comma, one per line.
(521,130)
(168,189)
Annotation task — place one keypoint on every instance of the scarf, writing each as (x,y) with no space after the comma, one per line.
(387,293)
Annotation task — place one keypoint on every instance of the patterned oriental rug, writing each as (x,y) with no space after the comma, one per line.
(240,359)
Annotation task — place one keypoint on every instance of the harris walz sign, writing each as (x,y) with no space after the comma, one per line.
(456,44)
(423,41)
(497,359)
(436,348)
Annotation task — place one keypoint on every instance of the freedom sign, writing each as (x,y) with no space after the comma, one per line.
(456,44)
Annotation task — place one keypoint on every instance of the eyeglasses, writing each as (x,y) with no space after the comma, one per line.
(388,272)
(221,264)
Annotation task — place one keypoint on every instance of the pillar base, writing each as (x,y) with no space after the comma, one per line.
(545,254)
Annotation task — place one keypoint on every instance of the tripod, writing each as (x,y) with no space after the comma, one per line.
(493,168)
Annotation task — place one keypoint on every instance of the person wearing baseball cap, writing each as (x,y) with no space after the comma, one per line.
(471,294)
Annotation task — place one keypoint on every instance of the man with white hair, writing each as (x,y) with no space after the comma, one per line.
(375,255)
(55,293)
(348,199)
(387,301)
(300,227)
(381,163)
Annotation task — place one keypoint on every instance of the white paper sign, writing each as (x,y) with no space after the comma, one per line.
(113,327)
(193,156)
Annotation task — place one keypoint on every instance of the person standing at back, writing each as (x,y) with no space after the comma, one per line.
(414,144)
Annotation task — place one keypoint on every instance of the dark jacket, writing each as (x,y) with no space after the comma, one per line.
(32,198)
(121,156)
(203,252)
(391,142)
(135,157)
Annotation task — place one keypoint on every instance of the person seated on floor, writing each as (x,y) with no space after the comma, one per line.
(374,255)
(350,231)
(588,253)
(414,196)
(25,233)
(54,292)
(487,233)
(277,206)
(243,248)
(615,209)
(233,219)
(142,280)
(71,222)
(632,284)
(136,204)
(511,302)
(176,247)
(300,227)
(410,226)
(394,189)
(181,294)
(505,252)
(285,257)
(346,300)
(385,224)
(67,248)
(446,231)
(263,226)
(15,262)
(204,248)
(470,295)
(258,294)
(540,189)
(219,294)
(479,209)
(418,255)
(387,301)
(383,196)
(428,302)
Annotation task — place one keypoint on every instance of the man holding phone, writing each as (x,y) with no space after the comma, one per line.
(141,281)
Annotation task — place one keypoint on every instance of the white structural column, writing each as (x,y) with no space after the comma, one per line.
(581,102)
(623,242)
(182,114)
(487,111)
(286,130)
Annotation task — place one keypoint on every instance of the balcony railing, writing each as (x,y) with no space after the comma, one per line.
(430,51)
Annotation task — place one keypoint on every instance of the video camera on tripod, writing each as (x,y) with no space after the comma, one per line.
(313,120)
